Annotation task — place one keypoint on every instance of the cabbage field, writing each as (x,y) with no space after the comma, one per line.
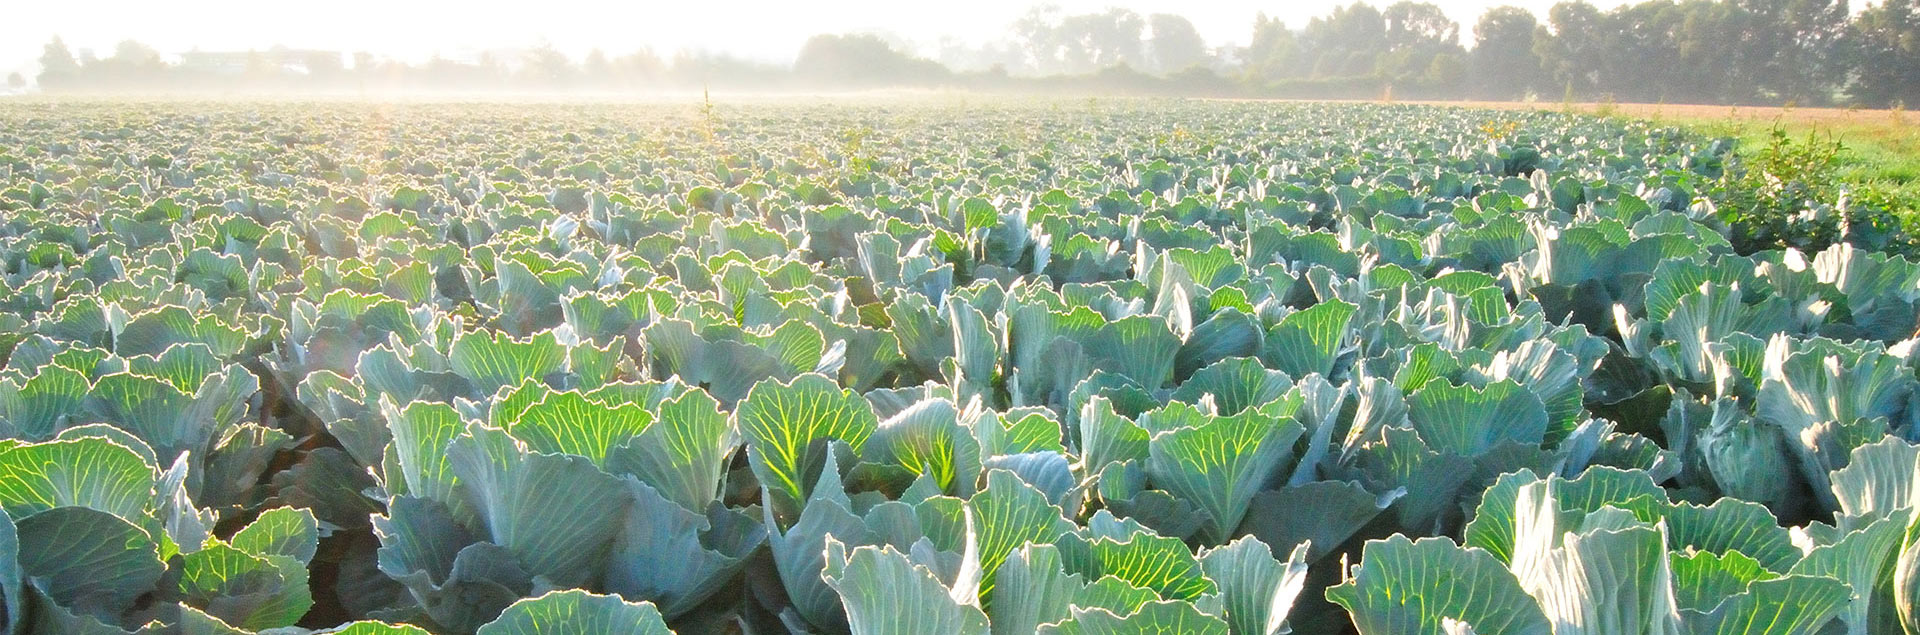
(892,368)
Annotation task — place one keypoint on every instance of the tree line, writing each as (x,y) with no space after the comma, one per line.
(1807,52)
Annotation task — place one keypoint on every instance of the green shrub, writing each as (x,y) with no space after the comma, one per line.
(1790,194)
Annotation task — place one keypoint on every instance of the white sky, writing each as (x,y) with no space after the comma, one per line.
(770,30)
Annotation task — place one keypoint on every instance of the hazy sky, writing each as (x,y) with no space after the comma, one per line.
(770,30)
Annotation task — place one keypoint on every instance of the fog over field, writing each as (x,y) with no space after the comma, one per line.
(1757,52)
(764,30)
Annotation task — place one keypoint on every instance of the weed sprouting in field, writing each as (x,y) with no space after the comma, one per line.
(1789,193)
(856,156)
(1607,107)
(1499,130)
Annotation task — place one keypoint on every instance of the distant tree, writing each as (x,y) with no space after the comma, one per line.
(489,70)
(441,73)
(1347,42)
(723,71)
(135,53)
(132,65)
(1635,52)
(1811,60)
(324,65)
(1571,49)
(1789,48)
(862,60)
(1034,35)
(1503,63)
(1693,51)
(1422,49)
(1416,24)
(1710,69)
(548,68)
(960,56)
(58,68)
(597,69)
(16,81)
(1226,58)
(1199,80)
(1083,43)
(1273,54)
(263,69)
(1885,54)
(1096,41)
(1174,44)
(1445,70)
(640,68)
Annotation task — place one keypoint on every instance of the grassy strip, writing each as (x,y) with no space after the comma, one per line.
(1799,157)
(1879,155)
(1879,150)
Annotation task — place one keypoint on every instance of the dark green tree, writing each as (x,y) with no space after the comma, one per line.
(1504,65)
(1571,49)
(1274,53)
(1885,54)
(1792,46)
(1709,65)
(1422,49)
(1346,43)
